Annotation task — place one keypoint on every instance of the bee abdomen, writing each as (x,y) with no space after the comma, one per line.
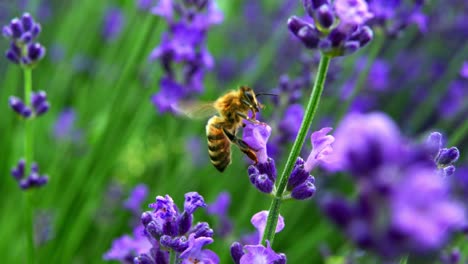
(219,147)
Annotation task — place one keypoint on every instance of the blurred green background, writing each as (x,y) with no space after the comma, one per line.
(124,141)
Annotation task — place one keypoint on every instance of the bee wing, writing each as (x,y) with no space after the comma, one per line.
(194,109)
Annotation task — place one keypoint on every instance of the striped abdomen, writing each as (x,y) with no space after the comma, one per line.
(219,146)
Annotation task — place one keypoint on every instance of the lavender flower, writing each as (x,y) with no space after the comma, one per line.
(444,158)
(402,205)
(33,180)
(136,197)
(168,229)
(64,127)
(39,104)
(301,184)
(258,253)
(22,32)
(126,248)
(395,16)
(336,29)
(184,44)
(113,24)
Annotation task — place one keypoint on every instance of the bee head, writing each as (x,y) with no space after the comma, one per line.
(249,98)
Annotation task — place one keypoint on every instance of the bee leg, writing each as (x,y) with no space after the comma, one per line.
(243,146)
(253,120)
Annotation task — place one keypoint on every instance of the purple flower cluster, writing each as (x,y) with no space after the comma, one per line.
(39,105)
(167,229)
(336,28)
(402,204)
(22,32)
(444,158)
(394,16)
(34,179)
(300,183)
(258,253)
(183,46)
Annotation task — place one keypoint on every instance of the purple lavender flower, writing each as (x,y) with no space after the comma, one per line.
(33,180)
(39,105)
(258,253)
(352,12)
(402,205)
(321,148)
(113,24)
(22,32)
(395,16)
(194,253)
(444,158)
(376,139)
(64,127)
(337,29)
(126,248)
(168,229)
(259,221)
(183,44)
(220,208)
(136,197)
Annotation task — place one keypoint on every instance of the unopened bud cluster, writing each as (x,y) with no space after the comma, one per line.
(39,105)
(22,32)
(334,28)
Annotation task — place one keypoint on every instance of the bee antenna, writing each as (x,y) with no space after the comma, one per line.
(265,94)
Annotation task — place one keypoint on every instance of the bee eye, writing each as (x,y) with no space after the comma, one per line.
(249,96)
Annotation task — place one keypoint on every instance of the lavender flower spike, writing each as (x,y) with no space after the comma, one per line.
(261,254)
(194,253)
(22,33)
(256,136)
(321,148)
(259,222)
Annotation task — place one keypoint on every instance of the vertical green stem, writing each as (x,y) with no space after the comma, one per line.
(28,138)
(28,149)
(172,257)
(296,148)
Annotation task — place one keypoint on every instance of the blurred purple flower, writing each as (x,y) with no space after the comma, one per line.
(183,44)
(354,12)
(126,248)
(136,198)
(464,70)
(402,206)
(220,209)
(64,127)
(376,139)
(113,24)
(291,122)
(395,15)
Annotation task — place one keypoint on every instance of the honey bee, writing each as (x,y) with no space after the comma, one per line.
(229,111)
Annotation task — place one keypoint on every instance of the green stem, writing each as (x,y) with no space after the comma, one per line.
(459,134)
(28,139)
(376,47)
(28,149)
(173,257)
(311,108)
